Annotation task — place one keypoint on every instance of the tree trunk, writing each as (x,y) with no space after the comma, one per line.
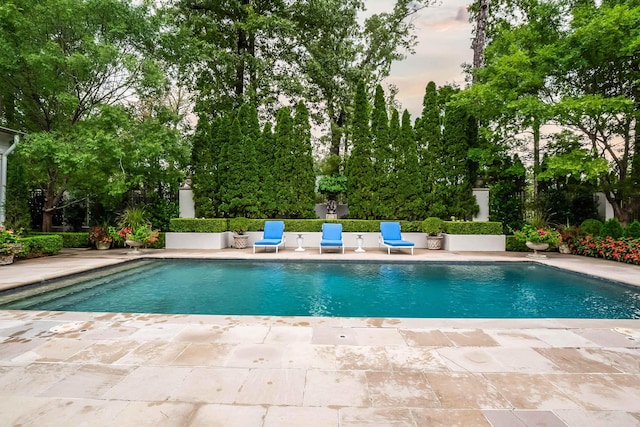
(479,40)
(536,157)
(51,201)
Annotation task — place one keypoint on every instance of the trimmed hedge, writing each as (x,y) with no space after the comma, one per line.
(69,239)
(219,225)
(41,245)
(467,227)
(198,225)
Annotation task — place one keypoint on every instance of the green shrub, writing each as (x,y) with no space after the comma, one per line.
(198,225)
(43,244)
(69,239)
(611,228)
(633,230)
(239,225)
(590,227)
(514,245)
(468,227)
(433,226)
(160,243)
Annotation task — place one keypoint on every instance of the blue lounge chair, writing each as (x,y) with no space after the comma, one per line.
(273,235)
(331,236)
(391,237)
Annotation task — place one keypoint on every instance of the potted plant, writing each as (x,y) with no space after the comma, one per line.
(434,227)
(567,236)
(9,245)
(99,237)
(538,239)
(239,226)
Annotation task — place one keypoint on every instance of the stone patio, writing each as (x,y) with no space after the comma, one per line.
(116,369)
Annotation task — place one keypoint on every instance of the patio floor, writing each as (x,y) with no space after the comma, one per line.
(116,369)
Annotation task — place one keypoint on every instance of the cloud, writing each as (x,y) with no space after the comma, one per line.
(453,21)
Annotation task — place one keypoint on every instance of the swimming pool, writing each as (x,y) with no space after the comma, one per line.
(370,289)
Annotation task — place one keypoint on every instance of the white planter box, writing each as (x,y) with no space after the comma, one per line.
(474,242)
(198,240)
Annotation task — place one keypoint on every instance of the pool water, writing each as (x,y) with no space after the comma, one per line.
(427,290)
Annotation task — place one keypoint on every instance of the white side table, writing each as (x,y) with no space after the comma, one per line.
(359,241)
(299,239)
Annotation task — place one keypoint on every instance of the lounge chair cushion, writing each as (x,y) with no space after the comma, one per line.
(398,243)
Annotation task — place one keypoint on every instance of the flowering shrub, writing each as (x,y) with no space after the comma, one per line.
(623,250)
(540,235)
(9,241)
(143,234)
(99,234)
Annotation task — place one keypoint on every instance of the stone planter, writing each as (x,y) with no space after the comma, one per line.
(6,259)
(537,247)
(240,241)
(102,246)
(434,242)
(564,249)
(135,245)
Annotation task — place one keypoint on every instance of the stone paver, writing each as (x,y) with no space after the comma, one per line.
(106,369)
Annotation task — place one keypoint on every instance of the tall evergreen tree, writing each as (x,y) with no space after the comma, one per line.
(454,186)
(286,179)
(359,167)
(238,194)
(266,157)
(409,194)
(429,139)
(203,173)
(303,178)
(382,180)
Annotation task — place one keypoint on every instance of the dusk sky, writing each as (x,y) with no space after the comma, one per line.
(444,44)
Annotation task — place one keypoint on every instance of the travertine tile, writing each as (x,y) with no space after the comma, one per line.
(503,418)
(582,418)
(273,387)
(149,384)
(607,392)
(228,416)
(465,391)
(256,356)
(289,335)
(425,338)
(154,414)
(104,352)
(516,338)
(90,381)
(530,391)
(72,412)
(561,338)
(396,417)
(333,336)
(204,354)
(378,337)
(400,389)
(306,356)
(470,359)
(423,359)
(54,350)
(244,334)
(470,338)
(336,388)
(572,361)
(210,385)
(449,418)
(624,360)
(33,379)
(539,418)
(200,334)
(154,353)
(292,416)
(608,338)
(361,358)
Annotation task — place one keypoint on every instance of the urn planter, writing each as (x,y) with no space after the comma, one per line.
(537,247)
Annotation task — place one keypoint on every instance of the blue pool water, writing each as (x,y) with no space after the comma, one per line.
(476,290)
